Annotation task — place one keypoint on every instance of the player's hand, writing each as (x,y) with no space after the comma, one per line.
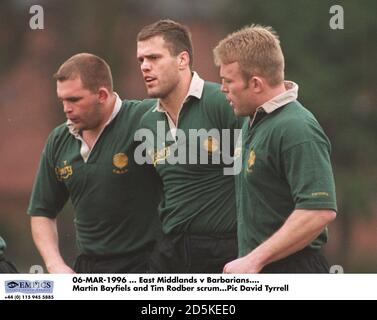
(242,265)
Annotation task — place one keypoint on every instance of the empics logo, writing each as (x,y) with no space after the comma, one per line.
(26,286)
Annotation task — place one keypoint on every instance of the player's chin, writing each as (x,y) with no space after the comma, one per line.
(236,111)
(239,112)
(153,93)
(80,127)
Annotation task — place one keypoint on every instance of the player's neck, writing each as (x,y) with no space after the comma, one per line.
(274,92)
(90,136)
(266,96)
(173,102)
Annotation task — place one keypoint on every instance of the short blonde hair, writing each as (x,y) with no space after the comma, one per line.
(257,50)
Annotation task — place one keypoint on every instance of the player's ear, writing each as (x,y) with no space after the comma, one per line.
(103,94)
(256,83)
(183,60)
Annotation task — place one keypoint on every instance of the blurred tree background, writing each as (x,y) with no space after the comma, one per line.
(335,69)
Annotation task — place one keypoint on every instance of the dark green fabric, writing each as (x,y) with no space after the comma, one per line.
(285,166)
(198,198)
(115,200)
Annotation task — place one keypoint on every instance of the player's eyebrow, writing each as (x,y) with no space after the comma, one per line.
(70,99)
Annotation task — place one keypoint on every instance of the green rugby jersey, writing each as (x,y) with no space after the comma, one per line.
(197,198)
(285,166)
(115,200)
(2,247)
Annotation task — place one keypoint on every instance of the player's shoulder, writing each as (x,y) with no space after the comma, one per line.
(137,107)
(296,123)
(212,90)
(212,97)
(295,116)
(214,102)
(210,85)
(151,116)
(59,131)
(141,104)
(58,136)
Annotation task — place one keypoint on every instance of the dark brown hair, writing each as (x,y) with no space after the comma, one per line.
(93,71)
(176,36)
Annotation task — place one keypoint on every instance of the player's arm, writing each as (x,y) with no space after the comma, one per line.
(309,174)
(299,230)
(48,198)
(45,235)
